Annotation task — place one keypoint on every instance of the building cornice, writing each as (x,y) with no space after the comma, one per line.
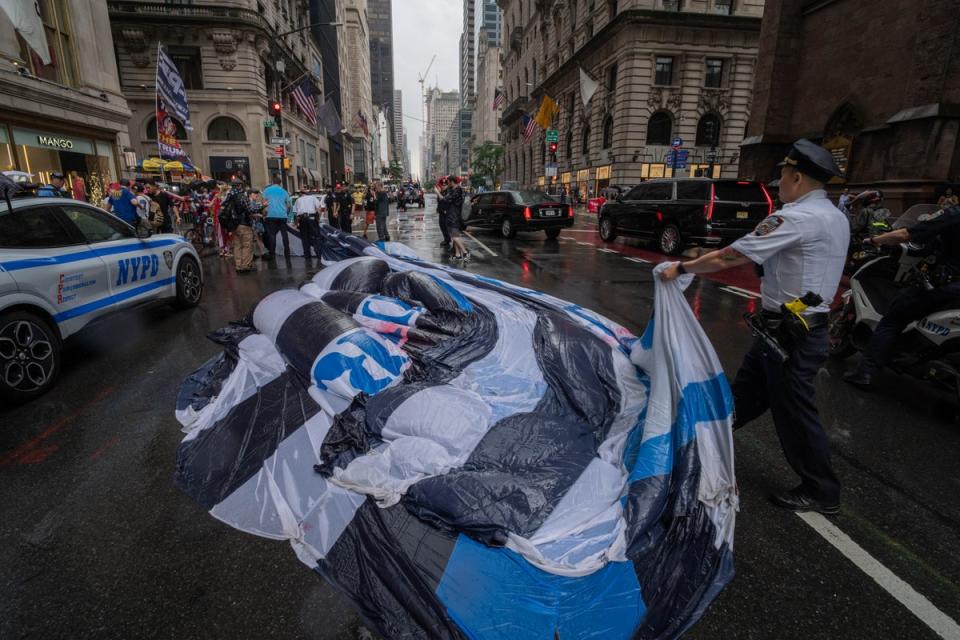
(130,18)
(29,89)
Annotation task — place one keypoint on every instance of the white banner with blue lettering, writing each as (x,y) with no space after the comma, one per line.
(466,458)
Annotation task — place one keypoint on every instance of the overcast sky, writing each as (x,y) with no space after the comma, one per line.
(422,28)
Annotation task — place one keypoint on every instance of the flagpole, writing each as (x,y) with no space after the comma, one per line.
(156,110)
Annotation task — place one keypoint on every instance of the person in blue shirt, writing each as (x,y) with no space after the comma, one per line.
(123,203)
(278,216)
(55,187)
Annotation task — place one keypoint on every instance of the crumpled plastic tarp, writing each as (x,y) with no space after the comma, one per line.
(466,458)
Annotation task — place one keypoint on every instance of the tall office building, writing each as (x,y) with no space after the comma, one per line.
(443,108)
(396,121)
(468,68)
(380,22)
(488,20)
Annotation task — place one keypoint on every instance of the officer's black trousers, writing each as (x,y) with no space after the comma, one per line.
(443,225)
(346,220)
(788,391)
(309,236)
(909,305)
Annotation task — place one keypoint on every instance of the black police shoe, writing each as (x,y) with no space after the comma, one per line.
(798,499)
(858,379)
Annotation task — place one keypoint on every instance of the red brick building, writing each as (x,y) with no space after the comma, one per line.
(876,81)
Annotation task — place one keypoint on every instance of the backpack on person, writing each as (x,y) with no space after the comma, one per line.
(230,214)
(155,217)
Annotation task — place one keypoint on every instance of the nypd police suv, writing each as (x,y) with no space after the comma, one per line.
(64,264)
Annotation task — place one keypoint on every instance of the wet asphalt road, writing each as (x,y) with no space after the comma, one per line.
(95,541)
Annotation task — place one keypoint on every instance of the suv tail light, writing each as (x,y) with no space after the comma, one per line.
(766,194)
(708,208)
(570,211)
(526,213)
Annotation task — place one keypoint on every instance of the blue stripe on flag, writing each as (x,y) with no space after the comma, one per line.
(707,401)
(458,297)
(495,593)
(30,263)
(106,302)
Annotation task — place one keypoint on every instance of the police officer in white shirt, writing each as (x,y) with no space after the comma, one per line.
(802,249)
(307,208)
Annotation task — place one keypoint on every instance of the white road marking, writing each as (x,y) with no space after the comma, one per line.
(738,293)
(942,624)
(585,244)
(742,290)
(639,260)
(489,250)
(608,251)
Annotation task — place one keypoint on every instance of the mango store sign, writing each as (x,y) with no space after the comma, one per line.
(56,143)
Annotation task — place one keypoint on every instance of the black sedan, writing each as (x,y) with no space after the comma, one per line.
(513,211)
(680,212)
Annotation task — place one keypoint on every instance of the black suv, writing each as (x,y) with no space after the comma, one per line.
(512,211)
(680,212)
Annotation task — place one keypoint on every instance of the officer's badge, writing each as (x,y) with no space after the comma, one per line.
(768,226)
(168,258)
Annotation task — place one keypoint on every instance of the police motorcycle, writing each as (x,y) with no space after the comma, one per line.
(868,218)
(928,349)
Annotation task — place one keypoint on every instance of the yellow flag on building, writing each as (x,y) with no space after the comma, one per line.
(548,111)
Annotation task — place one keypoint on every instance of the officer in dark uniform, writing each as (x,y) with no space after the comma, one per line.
(345,206)
(330,201)
(802,248)
(911,304)
(442,207)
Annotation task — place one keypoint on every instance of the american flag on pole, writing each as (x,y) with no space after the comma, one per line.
(303,96)
(499,97)
(529,127)
(361,121)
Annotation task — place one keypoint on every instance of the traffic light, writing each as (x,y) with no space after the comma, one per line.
(275,108)
(553,147)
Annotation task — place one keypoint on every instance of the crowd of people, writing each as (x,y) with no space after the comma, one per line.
(246,223)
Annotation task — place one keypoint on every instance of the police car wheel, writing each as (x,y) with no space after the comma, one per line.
(29,355)
(507,230)
(669,240)
(189,282)
(608,231)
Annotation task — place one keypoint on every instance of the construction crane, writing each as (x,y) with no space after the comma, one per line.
(424,171)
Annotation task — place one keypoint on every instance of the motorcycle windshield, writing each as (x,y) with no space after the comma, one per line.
(912,215)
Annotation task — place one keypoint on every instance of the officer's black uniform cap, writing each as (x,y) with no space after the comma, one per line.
(812,160)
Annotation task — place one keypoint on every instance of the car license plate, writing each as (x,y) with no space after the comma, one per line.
(550,212)
(743,215)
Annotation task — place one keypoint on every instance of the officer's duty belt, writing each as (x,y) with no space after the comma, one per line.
(814,320)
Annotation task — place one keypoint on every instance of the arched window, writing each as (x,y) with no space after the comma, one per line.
(585,145)
(152,129)
(225,129)
(570,145)
(659,128)
(708,131)
(608,132)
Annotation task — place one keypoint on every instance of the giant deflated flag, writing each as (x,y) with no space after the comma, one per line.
(465,458)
